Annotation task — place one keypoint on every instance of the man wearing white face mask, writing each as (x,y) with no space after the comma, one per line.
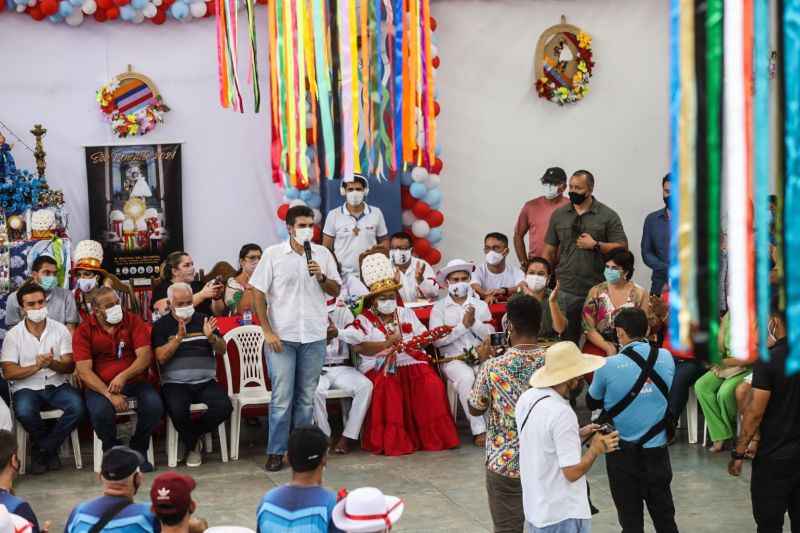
(185,343)
(112,356)
(355,227)
(535,214)
(472,324)
(89,275)
(290,296)
(494,278)
(60,303)
(36,359)
(416,275)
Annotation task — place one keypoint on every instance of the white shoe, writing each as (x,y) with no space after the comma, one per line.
(195,457)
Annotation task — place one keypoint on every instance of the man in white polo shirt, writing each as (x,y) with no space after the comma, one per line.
(552,469)
(36,359)
(290,300)
(355,227)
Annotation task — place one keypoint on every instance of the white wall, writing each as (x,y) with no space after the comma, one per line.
(498,137)
(51,75)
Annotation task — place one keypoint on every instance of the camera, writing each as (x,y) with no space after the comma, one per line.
(499,338)
(607,429)
(133,403)
(610,334)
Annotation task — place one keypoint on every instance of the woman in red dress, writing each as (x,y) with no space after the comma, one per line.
(409,409)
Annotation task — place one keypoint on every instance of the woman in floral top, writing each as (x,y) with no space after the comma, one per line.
(238,293)
(606,299)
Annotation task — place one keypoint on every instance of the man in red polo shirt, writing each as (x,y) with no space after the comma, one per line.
(112,356)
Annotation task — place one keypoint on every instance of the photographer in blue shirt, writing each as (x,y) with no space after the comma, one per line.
(632,389)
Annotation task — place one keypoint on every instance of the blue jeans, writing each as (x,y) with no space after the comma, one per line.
(687,372)
(570,525)
(28,405)
(295,374)
(148,413)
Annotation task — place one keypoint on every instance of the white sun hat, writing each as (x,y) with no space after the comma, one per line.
(366,510)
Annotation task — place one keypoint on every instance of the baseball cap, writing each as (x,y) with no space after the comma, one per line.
(120,462)
(171,493)
(555,175)
(306,448)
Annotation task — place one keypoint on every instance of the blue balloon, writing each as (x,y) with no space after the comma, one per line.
(315,201)
(435,93)
(406,179)
(24,2)
(76,3)
(64,8)
(434,236)
(179,10)
(433,196)
(127,12)
(305,195)
(311,152)
(292,193)
(283,233)
(434,39)
(418,190)
(56,18)
(435,205)
(438,150)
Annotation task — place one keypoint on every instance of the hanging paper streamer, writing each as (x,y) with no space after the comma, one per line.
(227,22)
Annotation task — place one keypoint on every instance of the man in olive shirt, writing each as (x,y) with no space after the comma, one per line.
(580,234)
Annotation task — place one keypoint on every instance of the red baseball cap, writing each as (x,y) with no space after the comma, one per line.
(171,493)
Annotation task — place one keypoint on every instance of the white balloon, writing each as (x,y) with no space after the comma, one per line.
(309,120)
(158,2)
(296,202)
(138,18)
(419,174)
(75,18)
(420,229)
(433,181)
(408,218)
(149,10)
(21,7)
(317,216)
(89,7)
(198,9)
(434,51)
(32,3)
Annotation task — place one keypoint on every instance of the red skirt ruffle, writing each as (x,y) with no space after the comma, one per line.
(409,412)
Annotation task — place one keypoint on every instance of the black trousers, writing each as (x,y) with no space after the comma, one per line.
(774,490)
(179,396)
(642,475)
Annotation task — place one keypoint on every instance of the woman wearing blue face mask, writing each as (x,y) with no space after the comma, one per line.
(606,299)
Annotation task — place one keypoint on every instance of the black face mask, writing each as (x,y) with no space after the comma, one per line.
(575,392)
(577,198)
(666,201)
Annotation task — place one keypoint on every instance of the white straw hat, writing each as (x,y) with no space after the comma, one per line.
(562,362)
(367,509)
(456,265)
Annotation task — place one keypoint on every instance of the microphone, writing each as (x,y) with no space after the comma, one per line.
(307,248)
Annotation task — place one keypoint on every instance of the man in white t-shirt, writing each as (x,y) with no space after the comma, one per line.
(495,278)
(290,299)
(552,469)
(416,275)
(355,227)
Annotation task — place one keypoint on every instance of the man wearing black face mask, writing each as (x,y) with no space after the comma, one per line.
(655,241)
(633,389)
(579,235)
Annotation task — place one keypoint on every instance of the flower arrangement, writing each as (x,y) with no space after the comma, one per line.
(21,192)
(140,122)
(579,87)
(421,341)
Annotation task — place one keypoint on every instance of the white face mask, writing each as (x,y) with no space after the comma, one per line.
(87,284)
(459,289)
(250,266)
(494,258)
(354,198)
(114,314)
(535,283)
(36,315)
(387,307)
(550,191)
(184,313)
(400,257)
(303,235)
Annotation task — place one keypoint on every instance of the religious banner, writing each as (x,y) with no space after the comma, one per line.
(135,205)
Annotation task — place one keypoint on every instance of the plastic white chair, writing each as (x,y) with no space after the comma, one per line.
(22,441)
(249,341)
(98,444)
(173,440)
(691,416)
(452,393)
(344,398)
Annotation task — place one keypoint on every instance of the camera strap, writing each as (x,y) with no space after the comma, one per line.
(529,414)
(647,372)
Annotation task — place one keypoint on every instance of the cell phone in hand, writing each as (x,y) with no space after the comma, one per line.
(218,280)
(133,403)
(607,429)
(498,338)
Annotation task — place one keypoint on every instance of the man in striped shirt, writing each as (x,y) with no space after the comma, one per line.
(185,342)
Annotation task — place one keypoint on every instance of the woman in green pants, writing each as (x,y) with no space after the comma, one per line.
(716,391)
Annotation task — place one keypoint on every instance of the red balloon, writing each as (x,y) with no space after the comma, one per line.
(437,166)
(100,15)
(436,109)
(433,256)
(211,8)
(48,7)
(282,210)
(104,4)
(159,17)
(112,13)
(122,2)
(433,24)
(421,209)
(422,247)
(406,200)
(434,218)
(303,185)
(317,234)
(36,13)
(435,62)
(2,6)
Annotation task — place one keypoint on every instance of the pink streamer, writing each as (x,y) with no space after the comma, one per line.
(347,88)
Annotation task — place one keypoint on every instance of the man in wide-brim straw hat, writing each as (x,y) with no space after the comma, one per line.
(554,489)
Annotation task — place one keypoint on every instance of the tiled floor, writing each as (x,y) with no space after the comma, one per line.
(443,491)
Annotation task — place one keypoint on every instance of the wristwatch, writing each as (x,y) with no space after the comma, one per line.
(596,245)
(736,456)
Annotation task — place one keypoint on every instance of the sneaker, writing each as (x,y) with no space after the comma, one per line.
(53,461)
(38,462)
(145,467)
(195,457)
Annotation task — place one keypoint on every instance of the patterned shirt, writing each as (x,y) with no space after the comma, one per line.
(499,384)
(599,311)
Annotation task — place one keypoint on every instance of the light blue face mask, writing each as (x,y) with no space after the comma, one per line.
(612,275)
(48,283)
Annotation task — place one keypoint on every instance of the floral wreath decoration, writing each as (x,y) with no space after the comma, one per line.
(554,87)
(140,120)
